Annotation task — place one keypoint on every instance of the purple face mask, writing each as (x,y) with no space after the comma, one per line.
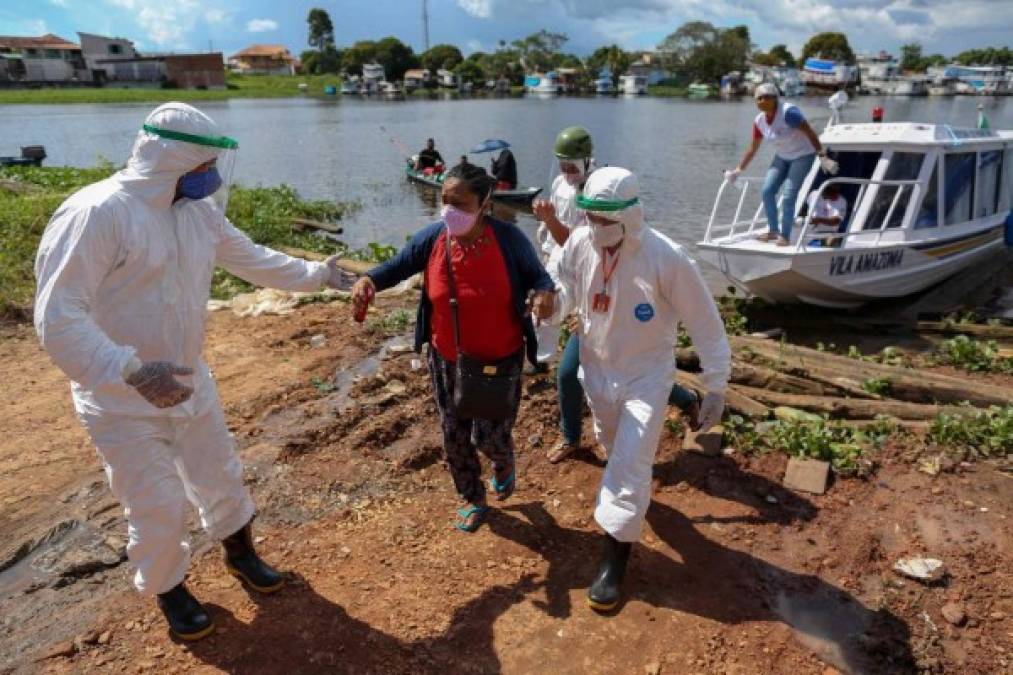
(458,221)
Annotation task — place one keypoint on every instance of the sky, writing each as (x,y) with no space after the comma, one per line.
(945,26)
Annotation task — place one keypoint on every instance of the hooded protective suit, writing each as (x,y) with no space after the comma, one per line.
(123,270)
(627,351)
(564,200)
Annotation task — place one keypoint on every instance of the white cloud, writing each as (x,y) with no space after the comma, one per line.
(481,9)
(261,25)
(166,23)
(215,15)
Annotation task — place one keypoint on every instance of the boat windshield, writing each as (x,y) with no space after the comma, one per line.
(852,164)
(903,166)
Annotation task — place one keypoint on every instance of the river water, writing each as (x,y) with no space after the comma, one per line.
(337,148)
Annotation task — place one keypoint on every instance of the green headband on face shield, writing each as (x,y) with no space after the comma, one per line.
(210,141)
(605,205)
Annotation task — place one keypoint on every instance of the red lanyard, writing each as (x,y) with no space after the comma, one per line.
(606,273)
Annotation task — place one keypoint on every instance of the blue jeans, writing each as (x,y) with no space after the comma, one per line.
(571,394)
(790,173)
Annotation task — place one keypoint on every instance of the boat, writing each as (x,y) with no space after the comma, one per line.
(941,84)
(700,90)
(31,155)
(545,84)
(435,180)
(732,84)
(389,90)
(372,76)
(603,85)
(925,201)
(351,86)
(633,85)
(829,75)
(788,81)
(982,80)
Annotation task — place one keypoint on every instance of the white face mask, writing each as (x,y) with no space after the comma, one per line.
(607,235)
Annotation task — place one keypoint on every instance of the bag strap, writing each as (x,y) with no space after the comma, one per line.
(453,294)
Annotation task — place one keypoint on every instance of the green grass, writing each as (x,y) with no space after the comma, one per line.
(974,356)
(263,213)
(666,90)
(985,432)
(238,86)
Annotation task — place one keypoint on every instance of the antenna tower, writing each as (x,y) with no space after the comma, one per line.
(425,24)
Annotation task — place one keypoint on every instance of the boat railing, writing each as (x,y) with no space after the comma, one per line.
(742,227)
(735,228)
(805,237)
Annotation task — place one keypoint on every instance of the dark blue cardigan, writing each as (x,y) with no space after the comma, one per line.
(523,267)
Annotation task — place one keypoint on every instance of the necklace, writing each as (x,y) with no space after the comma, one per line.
(601,301)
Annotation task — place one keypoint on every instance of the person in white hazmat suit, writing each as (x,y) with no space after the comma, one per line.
(630,287)
(124,271)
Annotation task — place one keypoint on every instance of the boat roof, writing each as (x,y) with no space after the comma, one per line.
(910,133)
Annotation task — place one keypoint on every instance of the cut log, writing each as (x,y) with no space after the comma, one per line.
(976,329)
(905,384)
(736,401)
(768,378)
(301,224)
(849,408)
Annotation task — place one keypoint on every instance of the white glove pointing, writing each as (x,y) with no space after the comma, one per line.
(339,278)
(829,166)
(711,409)
(732,175)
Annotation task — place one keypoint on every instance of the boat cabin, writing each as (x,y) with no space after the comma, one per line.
(920,203)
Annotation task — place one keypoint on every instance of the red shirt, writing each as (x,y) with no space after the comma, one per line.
(490,327)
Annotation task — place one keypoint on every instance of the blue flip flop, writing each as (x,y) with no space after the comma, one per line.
(465,514)
(506,488)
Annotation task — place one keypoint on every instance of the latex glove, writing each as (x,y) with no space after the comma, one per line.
(339,278)
(155,382)
(362,294)
(829,166)
(732,175)
(543,210)
(712,408)
(543,305)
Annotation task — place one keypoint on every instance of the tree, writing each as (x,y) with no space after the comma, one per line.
(783,56)
(396,57)
(700,51)
(470,71)
(540,51)
(321,29)
(911,57)
(363,51)
(611,57)
(989,56)
(441,56)
(832,46)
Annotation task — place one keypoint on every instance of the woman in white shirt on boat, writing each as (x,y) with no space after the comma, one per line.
(827,211)
(796,143)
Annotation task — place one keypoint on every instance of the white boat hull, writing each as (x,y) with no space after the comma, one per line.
(849,277)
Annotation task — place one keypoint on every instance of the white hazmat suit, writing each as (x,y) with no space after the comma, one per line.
(564,201)
(627,352)
(124,271)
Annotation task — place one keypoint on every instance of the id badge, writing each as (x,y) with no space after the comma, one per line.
(600,302)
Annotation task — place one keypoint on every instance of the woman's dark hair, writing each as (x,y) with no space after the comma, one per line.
(474,177)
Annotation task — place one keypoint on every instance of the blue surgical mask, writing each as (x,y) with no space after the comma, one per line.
(200,184)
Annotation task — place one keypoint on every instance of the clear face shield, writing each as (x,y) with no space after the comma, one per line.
(573,171)
(214,159)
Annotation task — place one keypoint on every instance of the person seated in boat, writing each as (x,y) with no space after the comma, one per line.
(429,160)
(827,213)
(504,170)
(796,145)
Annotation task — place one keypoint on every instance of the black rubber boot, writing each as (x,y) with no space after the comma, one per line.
(243,563)
(188,620)
(603,596)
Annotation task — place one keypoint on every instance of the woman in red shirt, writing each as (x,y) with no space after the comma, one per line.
(495,268)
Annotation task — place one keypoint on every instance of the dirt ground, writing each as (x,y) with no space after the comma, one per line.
(734,574)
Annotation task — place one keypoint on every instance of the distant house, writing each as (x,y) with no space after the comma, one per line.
(416,78)
(264,60)
(183,71)
(648,66)
(446,78)
(98,48)
(47,58)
